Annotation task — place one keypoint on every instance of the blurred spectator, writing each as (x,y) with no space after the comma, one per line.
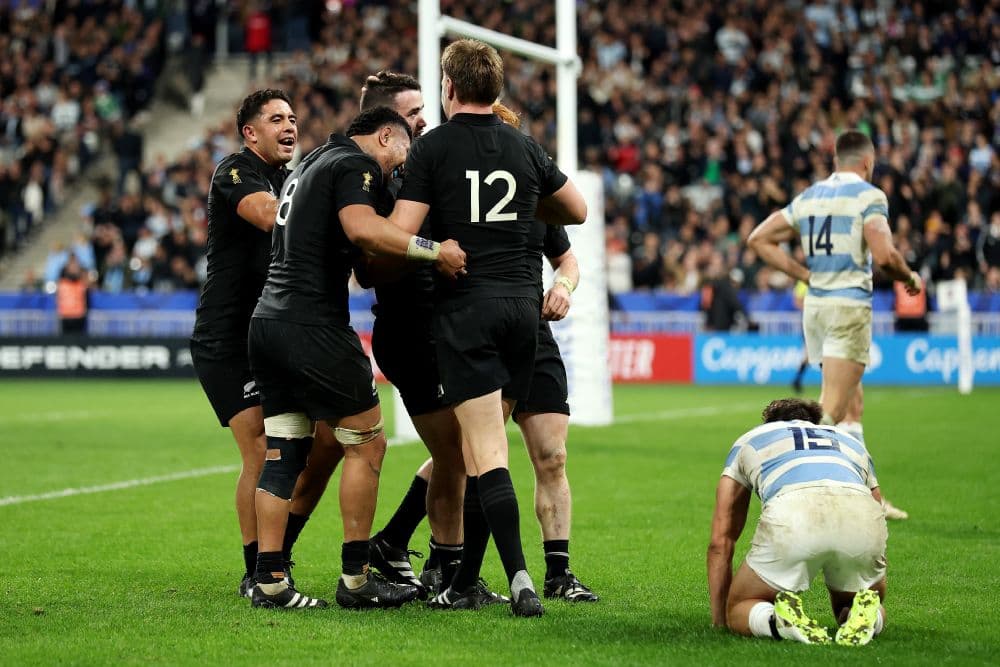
(257,31)
(71,297)
(700,118)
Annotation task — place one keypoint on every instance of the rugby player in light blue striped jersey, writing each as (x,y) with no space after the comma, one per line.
(843,225)
(821,511)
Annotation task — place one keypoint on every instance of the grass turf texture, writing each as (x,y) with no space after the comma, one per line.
(149,574)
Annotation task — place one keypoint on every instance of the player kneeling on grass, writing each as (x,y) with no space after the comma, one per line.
(822,510)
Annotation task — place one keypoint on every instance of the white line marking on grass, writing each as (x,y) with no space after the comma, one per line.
(118,486)
(662,415)
(684,413)
(65,415)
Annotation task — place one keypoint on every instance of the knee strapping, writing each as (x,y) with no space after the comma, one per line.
(288,425)
(351,437)
(284,460)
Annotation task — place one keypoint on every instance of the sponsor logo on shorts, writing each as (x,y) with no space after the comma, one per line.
(250,389)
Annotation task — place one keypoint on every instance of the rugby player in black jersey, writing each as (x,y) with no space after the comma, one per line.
(308,362)
(481,181)
(403,346)
(242,203)
(543,419)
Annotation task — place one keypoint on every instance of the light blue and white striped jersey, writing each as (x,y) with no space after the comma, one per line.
(780,456)
(830,216)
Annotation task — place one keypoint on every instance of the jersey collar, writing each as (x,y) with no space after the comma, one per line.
(848,176)
(476,119)
(264,166)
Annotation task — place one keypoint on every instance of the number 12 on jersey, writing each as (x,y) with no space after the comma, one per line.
(496,213)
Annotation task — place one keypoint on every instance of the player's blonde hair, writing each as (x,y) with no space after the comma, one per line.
(507,115)
(475,69)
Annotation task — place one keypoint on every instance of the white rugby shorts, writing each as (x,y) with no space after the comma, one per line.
(837,330)
(840,531)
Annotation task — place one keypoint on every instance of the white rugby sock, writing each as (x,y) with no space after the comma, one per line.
(353,581)
(760,619)
(827,420)
(854,429)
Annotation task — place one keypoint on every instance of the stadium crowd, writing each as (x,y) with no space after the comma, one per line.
(700,117)
(72,76)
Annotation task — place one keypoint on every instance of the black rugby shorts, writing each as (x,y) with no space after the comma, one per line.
(224,372)
(486,345)
(405,352)
(549,390)
(319,370)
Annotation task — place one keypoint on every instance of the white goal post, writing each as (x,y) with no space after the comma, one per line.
(583,336)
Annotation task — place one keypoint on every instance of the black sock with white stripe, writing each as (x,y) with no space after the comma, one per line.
(442,553)
(556,557)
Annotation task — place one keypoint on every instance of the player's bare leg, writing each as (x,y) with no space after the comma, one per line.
(545,439)
(325,455)
(445,473)
(484,439)
(436,492)
(247,428)
(852,424)
(841,378)
(755,609)
(861,616)
(289,439)
(364,449)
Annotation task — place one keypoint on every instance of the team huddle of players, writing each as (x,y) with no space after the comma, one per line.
(453,248)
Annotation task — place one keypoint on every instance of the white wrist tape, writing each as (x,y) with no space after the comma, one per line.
(422,250)
(566,282)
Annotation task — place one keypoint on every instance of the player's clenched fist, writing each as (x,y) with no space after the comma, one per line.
(556,304)
(451,259)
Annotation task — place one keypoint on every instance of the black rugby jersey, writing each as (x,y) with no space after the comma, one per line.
(311,257)
(482,180)
(238,253)
(549,241)
(414,292)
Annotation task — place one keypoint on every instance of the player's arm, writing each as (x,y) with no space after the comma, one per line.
(878,236)
(259,209)
(766,241)
(732,500)
(409,215)
(556,303)
(372,270)
(565,206)
(369,231)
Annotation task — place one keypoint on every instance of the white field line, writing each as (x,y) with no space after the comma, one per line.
(58,416)
(662,415)
(118,486)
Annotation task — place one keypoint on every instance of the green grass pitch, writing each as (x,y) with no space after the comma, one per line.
(148,574)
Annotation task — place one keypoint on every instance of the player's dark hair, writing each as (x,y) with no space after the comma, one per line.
(475,69)
(852,146)
(787,409)
(369,121)
(381,88)
(254,102)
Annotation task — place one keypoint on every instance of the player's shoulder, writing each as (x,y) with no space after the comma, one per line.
(755,436)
